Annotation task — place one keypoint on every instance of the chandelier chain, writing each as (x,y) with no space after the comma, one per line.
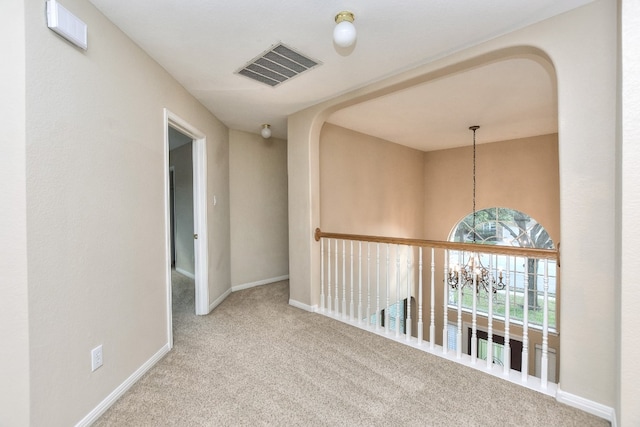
(473,273)
(474,129)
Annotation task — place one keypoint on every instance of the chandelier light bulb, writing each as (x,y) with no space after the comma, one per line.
(344,33)
(266,131)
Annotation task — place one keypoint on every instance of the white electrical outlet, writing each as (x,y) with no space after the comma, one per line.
(96,358)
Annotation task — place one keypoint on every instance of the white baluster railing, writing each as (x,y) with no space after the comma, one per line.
(445,293)
(397,304)
(525,325)
(545,330)
(329,276)
(387,289)
(507,318)
(432,317)
(340,299)
(378,317)
(407,321)
(474,316)
(336,305)
(322,302)
(359,282)
(490,321)
(420,324)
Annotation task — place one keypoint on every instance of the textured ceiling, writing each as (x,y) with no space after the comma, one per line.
(202,43)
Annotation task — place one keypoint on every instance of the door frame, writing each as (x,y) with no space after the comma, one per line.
(201,246)
(172,208)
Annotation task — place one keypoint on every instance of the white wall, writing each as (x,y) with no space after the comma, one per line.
(95,210)
(182,161)
(582,46)
(14,350)
(259,220)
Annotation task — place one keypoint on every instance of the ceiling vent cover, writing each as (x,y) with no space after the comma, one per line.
(277,65)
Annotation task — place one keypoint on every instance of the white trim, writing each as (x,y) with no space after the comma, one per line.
(185,273)
(594,408)
(172,208)
(259,283)
(219,300)
(303,306)
(167,225)
(201,247)
(102,407)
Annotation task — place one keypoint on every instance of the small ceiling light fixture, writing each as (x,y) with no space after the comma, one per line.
(266,131)
(344,34)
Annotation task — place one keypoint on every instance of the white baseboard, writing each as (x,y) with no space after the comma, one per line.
(259,283)
(92,416)
(219,300)
(186,273)
(586,405)
(303,306)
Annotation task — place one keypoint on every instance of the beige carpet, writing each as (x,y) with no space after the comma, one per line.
(256,361)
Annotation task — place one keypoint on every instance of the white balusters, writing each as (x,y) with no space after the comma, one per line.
(359,282)
(525,324)
(480,314)
(351,281)
(337,300)
(445,327)
(329,275)
(378,317)
(407,321)
(368,283)
(432,319)
(544,373)
(344,279)
(459,334)
(397,304)
(474,312)
(386,310)
(322,307)
(420,296)
(490,319)
(507,319)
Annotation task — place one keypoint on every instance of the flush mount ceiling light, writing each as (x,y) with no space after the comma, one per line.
(266,131)
(344,34)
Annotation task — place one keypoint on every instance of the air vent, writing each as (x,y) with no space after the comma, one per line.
(277,65)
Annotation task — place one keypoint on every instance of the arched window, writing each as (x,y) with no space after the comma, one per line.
(507,227)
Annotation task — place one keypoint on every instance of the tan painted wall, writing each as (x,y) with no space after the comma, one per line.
(519,174)
(14,322)
(259,218)
(95,194)
(582,46)
(369,186)
(182,161)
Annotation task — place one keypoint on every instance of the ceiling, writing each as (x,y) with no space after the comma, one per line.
(202,43)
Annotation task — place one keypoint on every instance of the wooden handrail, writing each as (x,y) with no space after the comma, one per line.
(439,244)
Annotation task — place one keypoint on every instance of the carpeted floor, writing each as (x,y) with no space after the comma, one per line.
(257,361)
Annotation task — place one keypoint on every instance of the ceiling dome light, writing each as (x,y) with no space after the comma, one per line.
(344,34)
(266,131)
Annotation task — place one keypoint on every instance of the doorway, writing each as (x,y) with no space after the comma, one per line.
(195,243)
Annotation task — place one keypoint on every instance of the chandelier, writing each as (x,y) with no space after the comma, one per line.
(473,272)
